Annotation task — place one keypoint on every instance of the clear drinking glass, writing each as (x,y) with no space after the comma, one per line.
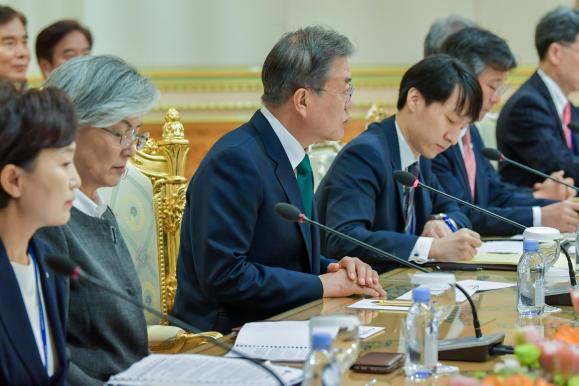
(443,297)
(550,247)
(549,240)
(345,330)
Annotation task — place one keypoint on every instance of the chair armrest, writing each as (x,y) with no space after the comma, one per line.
(172,340)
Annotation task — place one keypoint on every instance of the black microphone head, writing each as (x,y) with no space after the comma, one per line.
(492,154)
(288,211)
(405,178)
(61,266)
(574,126)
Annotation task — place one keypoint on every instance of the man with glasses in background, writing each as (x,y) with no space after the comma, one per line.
(463,171)
(533,125)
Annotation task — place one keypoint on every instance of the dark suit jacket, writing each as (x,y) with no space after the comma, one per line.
(491,193)
(239,261)
(529,131)
(20,362)
(359,196)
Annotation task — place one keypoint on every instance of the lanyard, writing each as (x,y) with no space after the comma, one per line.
(40,310)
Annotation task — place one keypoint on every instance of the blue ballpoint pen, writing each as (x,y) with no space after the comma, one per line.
(448,222)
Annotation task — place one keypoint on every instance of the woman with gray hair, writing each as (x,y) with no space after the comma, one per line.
(105,334)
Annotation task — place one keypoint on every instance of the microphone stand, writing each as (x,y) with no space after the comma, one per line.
(477,349)
(55,263)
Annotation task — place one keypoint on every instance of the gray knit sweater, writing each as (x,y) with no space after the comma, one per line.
(105,334)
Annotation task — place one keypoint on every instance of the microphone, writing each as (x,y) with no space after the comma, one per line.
(495,155)
(67,268)
(557,298)
(469,349)
(410,180)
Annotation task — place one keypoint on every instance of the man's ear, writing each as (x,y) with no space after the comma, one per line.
(300,100)
(414,99)
(11,180)
(554,53)
(45,66)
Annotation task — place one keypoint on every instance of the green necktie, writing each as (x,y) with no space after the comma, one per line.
(305,178)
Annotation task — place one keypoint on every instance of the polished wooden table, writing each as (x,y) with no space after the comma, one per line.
(497,313)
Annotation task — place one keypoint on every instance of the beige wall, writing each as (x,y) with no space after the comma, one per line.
(167,34)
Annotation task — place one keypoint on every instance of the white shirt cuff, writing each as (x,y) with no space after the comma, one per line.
(537,216)
(421,250)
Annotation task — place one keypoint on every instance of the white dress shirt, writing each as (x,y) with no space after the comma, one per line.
(557,95)
(293,149)
(536,209)
(26,278)
(422,247)
(87,206)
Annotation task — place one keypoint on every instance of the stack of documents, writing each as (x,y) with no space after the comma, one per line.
(403,302)
(192,369)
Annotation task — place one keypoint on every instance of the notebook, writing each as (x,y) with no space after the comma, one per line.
(286,341)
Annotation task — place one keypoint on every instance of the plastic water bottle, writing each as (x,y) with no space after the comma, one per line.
(320,368)
(531,280)
(421,336)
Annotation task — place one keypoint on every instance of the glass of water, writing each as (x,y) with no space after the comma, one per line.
(345,330)
(443,297)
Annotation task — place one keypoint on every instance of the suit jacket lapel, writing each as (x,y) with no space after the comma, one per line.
(394,150)
(14,316)
(47,281)
(539,85)
(284,173)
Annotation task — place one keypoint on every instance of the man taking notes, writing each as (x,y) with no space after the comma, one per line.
(359,195)
(239,261)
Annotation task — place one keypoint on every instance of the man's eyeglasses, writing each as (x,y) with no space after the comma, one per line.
(129,137)
(499,91)
(348,93)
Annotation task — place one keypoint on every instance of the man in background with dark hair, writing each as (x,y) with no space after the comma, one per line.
(359,196)
(533,125)
(465,172)
(60,42)
(239,261)
(14,53)
(441,29)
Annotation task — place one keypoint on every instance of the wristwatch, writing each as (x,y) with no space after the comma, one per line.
(437,216)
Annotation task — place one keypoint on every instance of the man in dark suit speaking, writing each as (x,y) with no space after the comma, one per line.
(238,260)
(532,127)
(359,195)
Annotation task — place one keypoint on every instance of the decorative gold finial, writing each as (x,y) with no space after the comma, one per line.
(173,128)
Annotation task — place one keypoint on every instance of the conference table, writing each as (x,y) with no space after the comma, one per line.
(497,313)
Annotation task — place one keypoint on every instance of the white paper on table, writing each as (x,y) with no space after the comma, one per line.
(470,286)
(506,246)
(194,369)
(373,304)
(287,341)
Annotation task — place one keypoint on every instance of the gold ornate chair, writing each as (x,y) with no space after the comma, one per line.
(322,154)
(148,204)
(376,113)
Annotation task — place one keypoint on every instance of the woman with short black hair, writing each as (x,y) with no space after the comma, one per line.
(37,182)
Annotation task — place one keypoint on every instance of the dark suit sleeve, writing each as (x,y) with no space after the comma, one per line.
(357,180)
(482,223)
(529,129)
(441,204)
(223,213)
